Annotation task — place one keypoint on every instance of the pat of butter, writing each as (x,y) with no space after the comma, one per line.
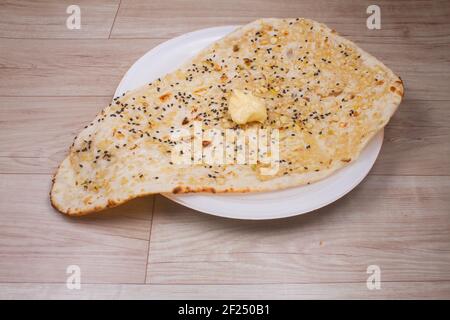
(244,107)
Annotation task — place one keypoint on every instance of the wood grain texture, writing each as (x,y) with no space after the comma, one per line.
(37,243)
(47,19)
(398,223)
(53,81)
(390,290)
(414,151)
(417,113)
(404,21)
(42,129)
(66,67)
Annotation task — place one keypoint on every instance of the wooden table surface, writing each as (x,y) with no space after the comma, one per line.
(54,80)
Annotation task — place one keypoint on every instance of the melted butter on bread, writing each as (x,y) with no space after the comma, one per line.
(244,107)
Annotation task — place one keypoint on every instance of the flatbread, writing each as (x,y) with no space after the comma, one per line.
(326,97)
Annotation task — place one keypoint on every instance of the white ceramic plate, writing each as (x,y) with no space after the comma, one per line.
(167,57)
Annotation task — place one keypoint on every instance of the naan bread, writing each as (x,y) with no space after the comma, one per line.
(326,96)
